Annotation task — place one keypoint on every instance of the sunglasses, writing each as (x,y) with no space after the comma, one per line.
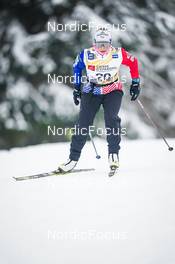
(104,45)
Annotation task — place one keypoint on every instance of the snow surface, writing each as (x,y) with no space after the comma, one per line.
(88,217)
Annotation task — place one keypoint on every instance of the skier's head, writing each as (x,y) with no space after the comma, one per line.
(102,40)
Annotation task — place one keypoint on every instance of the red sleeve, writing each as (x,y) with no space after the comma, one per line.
(131,62)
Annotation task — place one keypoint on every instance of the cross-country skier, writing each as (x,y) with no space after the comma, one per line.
(102,64)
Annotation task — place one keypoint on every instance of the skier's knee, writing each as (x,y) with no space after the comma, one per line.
(113,121)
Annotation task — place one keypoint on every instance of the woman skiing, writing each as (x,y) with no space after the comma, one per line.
(102,64)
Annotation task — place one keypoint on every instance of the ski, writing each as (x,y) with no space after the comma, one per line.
(51,173)
(113,171)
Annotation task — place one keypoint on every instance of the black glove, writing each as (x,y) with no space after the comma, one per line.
(135,89)
(77,95)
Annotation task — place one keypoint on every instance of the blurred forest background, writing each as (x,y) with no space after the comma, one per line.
(28,53)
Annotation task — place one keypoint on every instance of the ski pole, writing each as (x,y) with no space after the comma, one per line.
(154,124)
(97,155)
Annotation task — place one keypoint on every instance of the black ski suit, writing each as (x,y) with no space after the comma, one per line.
(90,104)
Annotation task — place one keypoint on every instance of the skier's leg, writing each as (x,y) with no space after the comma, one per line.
(90,104)
(111,105)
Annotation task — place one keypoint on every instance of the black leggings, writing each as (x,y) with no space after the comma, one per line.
(90,104)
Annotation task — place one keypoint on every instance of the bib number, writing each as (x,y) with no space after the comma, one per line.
(101,77)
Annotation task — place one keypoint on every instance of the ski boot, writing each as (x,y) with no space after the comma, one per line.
(67,166)
(113,164)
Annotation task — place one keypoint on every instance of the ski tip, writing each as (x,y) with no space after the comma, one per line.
(15,178)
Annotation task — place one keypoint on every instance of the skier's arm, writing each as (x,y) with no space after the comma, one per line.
(132,63)
(78,66)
